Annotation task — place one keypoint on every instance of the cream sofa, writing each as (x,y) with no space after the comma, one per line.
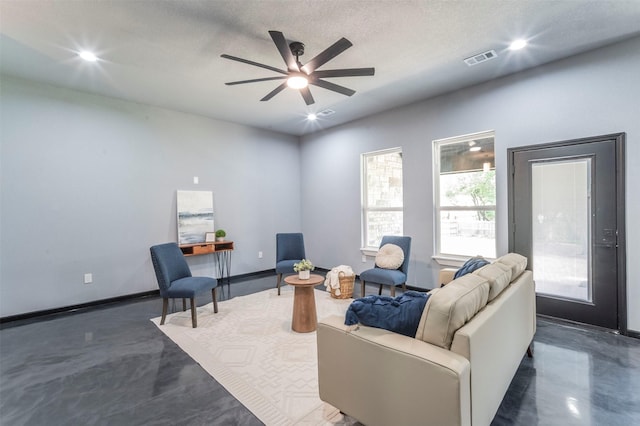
(471,338)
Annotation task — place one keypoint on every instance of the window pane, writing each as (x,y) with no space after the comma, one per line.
(561,228)
(464,172)
(384,180)
(382,223)
(467,155)
(466,233)
(468,189)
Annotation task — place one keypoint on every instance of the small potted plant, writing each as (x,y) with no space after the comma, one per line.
(303,268)
(220,234)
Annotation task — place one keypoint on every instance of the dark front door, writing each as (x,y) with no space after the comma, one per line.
(566,211)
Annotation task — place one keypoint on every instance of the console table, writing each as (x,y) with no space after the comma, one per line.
(221,251)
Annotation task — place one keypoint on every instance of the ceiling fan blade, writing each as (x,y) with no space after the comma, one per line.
(255,80)
(326,55)
(285,50)
(306,95)
(246,61)
(350,72)
(333,87)
(275,91)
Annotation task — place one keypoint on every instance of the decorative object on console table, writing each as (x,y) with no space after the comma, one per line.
(210,237)
(222,256)
(303,268)
(195,216)
(220,234)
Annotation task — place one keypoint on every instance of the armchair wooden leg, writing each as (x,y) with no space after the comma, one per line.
(165,305)
(404,287)
(530,351)
(194,314)
(361,288)
(184,304)
(215,300)
(278,283)
(380,290)
(393,291)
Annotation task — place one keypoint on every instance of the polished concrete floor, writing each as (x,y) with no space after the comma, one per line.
(112,366)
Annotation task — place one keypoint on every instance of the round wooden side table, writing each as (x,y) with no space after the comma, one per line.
(304,318)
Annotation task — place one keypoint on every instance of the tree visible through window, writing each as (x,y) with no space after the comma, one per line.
(465,191)
(382,206)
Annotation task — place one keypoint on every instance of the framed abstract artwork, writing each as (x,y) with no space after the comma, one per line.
(195,216)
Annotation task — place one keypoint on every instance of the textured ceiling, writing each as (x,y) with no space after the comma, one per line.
(167,53)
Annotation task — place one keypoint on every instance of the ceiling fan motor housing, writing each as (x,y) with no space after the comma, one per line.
(297,48)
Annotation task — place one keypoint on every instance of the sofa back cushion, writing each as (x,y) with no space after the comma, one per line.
(515,261)
(498,275)
(450,307)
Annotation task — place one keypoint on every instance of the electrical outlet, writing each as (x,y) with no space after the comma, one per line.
(259,255)
(196,180)
(88,278)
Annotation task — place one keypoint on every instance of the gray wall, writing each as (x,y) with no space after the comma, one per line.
(89,184)
(591,94)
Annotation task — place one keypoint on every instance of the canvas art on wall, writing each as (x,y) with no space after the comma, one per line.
(195,216)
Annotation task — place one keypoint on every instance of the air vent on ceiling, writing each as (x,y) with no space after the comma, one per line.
(481,57)
(325,113)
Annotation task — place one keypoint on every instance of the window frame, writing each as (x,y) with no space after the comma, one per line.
(448,259)
(364,192)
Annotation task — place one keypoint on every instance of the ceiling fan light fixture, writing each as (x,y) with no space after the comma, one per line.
(297,82)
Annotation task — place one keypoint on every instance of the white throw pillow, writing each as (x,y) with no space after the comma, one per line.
(390,256)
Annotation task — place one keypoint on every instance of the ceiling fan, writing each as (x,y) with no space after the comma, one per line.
(299,76)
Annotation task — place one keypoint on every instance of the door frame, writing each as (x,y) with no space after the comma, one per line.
(619,140)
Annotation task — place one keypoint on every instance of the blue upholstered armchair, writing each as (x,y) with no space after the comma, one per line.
(390,277)
(289,250)
(175,280)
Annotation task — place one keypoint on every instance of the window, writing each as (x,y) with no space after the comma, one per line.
(465,196)
(381,196)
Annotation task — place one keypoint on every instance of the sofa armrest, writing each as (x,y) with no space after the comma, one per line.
(382,378)
(446,275)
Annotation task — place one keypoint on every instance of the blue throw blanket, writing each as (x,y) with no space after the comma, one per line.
(400,314)
(470,266)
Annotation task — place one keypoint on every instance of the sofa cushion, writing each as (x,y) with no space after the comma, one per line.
(451,307)
(498,275)
(400,314)
(516,262)
(390,256)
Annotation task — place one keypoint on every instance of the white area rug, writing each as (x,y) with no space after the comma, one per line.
(250,349)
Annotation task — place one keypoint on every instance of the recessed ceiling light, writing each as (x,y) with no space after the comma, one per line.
(475,148)
(311,116)
(88,56)
(518,44)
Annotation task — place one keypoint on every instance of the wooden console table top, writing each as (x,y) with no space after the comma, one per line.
(205,248)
